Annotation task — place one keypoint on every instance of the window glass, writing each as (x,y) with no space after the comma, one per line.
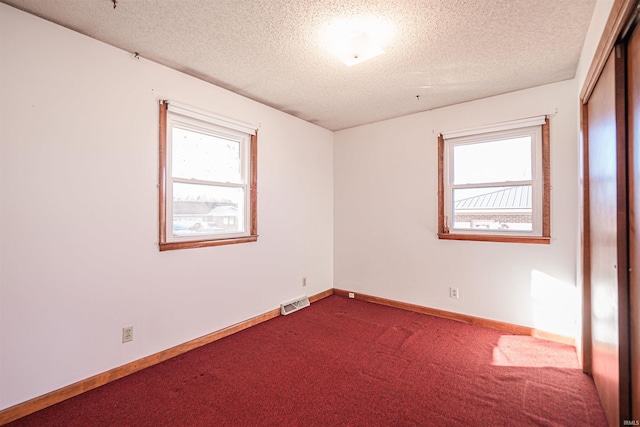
(492,161)
(202,209)
(201,156)
(493,208)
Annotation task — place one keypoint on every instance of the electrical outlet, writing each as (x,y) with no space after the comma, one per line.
(304,282)
(352,295)
(454,293)
(127,334)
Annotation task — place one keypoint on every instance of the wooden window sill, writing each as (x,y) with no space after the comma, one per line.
(205,243)
(493,238)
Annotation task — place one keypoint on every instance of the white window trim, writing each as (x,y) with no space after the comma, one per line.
(207,117)
(498,127)
(539,180)
(178,115)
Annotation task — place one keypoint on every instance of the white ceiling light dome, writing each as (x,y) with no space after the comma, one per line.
(356,40)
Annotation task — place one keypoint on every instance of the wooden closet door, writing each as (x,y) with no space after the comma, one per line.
(608,247)
(633,126)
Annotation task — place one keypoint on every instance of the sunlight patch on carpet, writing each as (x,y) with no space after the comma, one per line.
(528,352)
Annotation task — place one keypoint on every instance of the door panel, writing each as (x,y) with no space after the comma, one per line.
(607,219)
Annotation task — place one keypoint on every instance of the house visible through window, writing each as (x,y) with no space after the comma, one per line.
(494,183)
(207,179)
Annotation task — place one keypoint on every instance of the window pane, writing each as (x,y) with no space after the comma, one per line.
(204,157)
(493,208)
(494,161)
(207,210)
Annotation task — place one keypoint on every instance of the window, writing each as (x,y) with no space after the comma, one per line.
(494,183)
(208,179)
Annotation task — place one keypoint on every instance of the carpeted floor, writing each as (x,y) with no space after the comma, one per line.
(343,362)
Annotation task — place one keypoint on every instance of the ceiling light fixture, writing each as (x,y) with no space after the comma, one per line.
(356,41)
(357,48)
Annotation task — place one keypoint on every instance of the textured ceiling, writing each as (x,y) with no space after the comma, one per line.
(444,51)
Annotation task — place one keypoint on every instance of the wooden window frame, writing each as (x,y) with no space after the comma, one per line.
(545,237)
(252,236)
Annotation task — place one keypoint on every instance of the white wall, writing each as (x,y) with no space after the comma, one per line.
(78,216)
(386,218)
(596,28)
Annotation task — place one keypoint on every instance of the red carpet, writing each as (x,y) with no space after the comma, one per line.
(343,362)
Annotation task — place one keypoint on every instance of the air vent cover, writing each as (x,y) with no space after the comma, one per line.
(295,305)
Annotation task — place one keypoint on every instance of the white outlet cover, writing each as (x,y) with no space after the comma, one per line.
(127,334)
